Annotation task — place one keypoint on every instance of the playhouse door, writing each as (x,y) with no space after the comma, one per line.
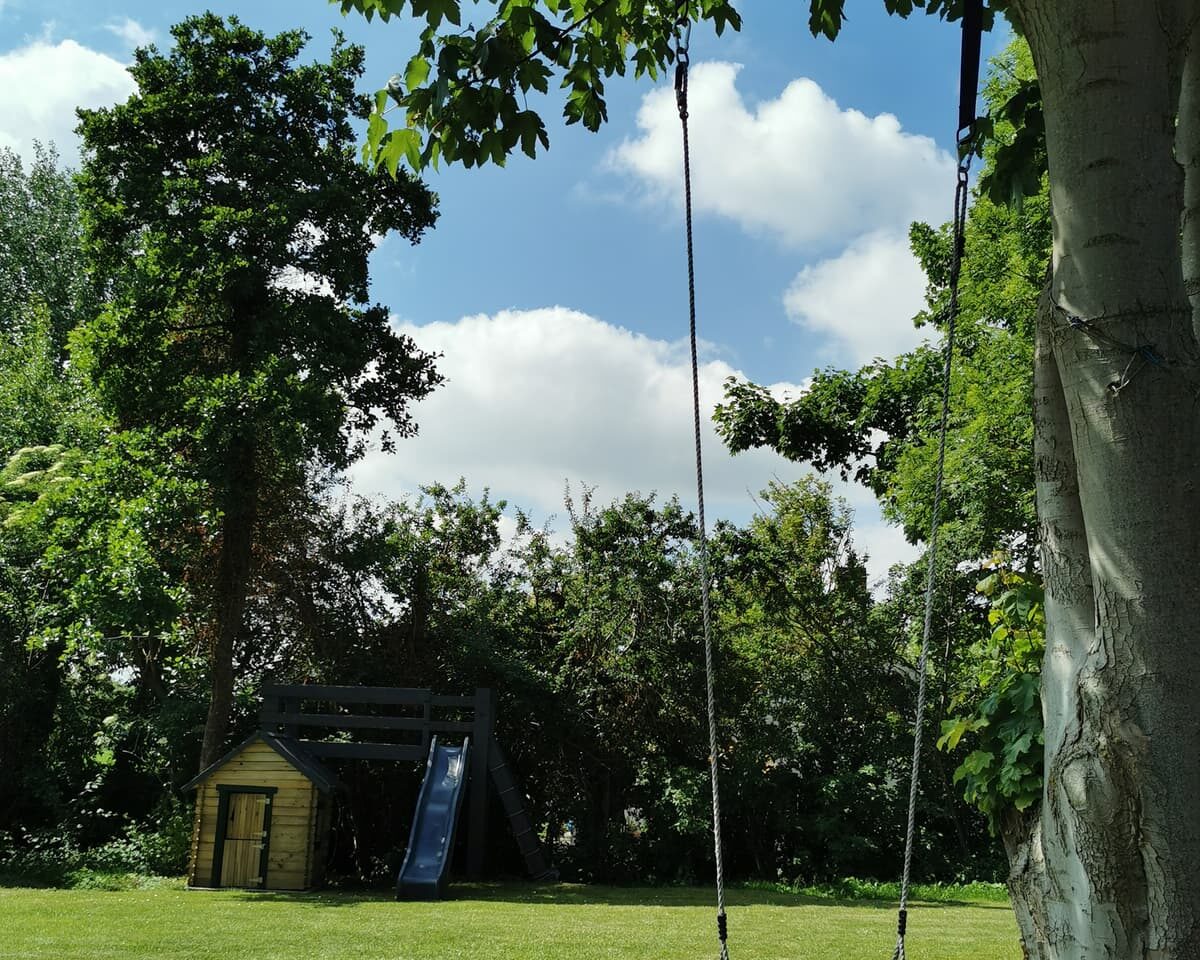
(245,840)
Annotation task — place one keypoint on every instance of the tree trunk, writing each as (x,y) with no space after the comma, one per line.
(232,585)
(1115,855)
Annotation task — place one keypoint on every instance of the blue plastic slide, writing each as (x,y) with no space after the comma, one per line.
(431,843)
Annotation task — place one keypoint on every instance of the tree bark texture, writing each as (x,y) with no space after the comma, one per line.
(1112,866)
(238,496)
(231,589)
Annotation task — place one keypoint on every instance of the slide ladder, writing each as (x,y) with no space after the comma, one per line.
(513,799)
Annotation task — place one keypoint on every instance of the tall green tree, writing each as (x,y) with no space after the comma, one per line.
(97,553)
(47,413)
(818,689)
(230,225)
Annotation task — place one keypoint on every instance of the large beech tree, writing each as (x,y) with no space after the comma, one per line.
(230,224)
(1110,862)
(1113,856)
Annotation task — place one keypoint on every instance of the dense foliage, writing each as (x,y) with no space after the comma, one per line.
(1002,719)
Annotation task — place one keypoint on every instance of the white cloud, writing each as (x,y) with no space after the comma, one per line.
(798,166)
(862,300)
(132,33)
(541,397)
(42,83)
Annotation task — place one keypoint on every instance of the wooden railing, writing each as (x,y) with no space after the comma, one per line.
(283,712)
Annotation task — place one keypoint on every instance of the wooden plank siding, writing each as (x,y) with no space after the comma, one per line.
(293,806)
(193,858)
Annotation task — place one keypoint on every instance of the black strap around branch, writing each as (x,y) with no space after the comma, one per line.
(968,76)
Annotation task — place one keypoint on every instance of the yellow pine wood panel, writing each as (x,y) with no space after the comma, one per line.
(281,875)
(292,832)
(288,845)
(279,827)
(235,773)
(255,756)
(299,824)
(197,823)
(243,841)
(284,796)
(285,791)
(280,808)
(260,749)
(287,862)
(286,823)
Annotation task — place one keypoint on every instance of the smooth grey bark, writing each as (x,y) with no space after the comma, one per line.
(1119,826)
(1070,605)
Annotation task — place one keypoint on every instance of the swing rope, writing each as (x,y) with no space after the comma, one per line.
(683,32)
(972,27)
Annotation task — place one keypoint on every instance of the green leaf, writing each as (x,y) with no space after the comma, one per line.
(825,18)
(377,126)
(416,72)
(401,143)
(977,761)
(1023,801)
(1017,747)
(953,731)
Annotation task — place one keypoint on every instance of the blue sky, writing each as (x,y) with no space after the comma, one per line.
(555,287)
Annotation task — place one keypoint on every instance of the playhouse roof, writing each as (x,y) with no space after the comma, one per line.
(286,747)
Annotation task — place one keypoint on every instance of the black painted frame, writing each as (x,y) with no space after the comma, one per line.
(224,791)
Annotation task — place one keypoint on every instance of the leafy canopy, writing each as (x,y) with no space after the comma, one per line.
(465,91)
(41,263)
(228,216)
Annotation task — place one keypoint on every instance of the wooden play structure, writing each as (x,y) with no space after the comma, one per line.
(263,811)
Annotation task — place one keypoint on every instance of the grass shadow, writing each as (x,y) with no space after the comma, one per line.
(567,894)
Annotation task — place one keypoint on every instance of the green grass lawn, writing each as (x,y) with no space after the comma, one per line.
(509,922)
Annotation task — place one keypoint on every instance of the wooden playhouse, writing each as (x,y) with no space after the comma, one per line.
(263,813)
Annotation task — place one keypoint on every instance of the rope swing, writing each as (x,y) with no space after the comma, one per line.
(683,34)
(972,29)
(972,36)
